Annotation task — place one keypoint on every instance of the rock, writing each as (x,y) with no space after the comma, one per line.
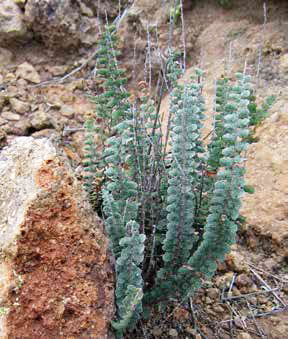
(10,78)
(56,280)
(67,111)
(236,262)
(61,24)
(213,293)
(19,106)
(244,335)
(85,10)
(191,330)
(243,280)
(22,126)
(181,314)
(11,21)
(20,3)
(173,333)
(284,63)
(45,133)
(10,116)
(6,56)
(274,117)
(157,331)
(3,100)
(28,72)
(58,70)
(3,138)
(40,120)
(21,83)
(224,279)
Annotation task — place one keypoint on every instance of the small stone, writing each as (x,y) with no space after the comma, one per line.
(208,301)
(10,116)
(218,309)
(243,280)
(191,330)
(3,138)
(57,70)
(235,262)
(10,77)
(19,106)
(173,333)
(6,57)
(157,331)
(21,83)
(284,63)
(274,117)
(2,121)
(11,19)
(224,279)
(40,120)
(238,323)
(44,133)
(22,126)
(244,335)
(3,100)
(213,293)
(85,10)
(284,112)
(181,314)
(11,91)
(67,111)
(20,3)
(28,72)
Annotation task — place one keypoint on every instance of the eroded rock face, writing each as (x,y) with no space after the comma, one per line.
(56,281)
(62,23)
(11,21)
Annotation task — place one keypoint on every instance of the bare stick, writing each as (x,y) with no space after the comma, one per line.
(265,272)
(254,320)
(151,262)
(235,297)
(261,43)
(149,57)
(267,286)
(183,36)
(229,58)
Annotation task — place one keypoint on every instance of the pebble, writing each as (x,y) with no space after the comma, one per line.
(235,262)
(244,335)
(10,116)
(157,331)
(213,293)
(28,72)
(173,333)
(67,111)
(19,106)
(243,280)
(40,120)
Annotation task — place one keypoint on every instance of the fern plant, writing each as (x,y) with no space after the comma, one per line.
(168,220)
(110,108)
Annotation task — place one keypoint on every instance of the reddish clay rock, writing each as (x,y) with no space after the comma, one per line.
(56,281)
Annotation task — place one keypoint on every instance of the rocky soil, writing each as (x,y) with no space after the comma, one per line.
(46,72)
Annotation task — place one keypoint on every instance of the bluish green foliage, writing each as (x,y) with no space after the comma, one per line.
(186,103)
(110,106)
(168,219)
(259,114)
(129,286)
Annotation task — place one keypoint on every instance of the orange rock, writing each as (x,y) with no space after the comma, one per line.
(56,281)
